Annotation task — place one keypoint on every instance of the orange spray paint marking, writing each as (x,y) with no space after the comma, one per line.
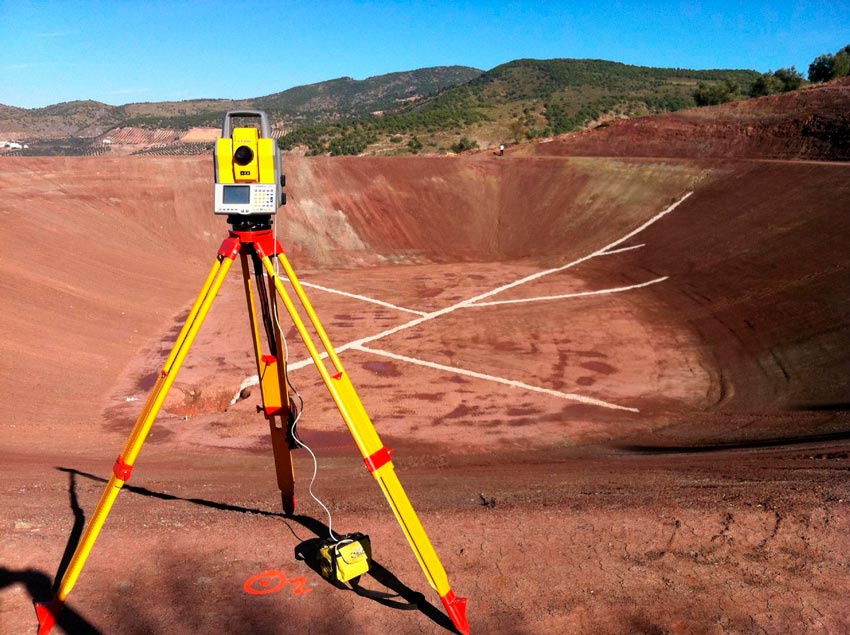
(270,581)
(299,583)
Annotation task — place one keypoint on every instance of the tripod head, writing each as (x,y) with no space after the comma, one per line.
(250,222)
(248,177)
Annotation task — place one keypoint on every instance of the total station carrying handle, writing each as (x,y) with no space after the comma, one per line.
(265,127)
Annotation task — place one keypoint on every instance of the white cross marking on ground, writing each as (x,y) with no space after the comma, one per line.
(571,295)
(501,380)
(425,317)
(622,249)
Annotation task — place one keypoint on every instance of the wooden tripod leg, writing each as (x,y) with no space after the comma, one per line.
(284,468)
(48,612)
(271,370)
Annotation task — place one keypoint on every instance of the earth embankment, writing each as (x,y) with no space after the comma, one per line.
(758,269)
(808,124)
(106,253)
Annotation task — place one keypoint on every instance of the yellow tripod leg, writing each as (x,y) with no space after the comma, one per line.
(47,613)
(375,454)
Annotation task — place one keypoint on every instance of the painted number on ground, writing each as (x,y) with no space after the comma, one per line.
(272,581)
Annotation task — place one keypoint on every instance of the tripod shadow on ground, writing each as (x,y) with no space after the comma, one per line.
(76,531)
(400,596)
(37,583)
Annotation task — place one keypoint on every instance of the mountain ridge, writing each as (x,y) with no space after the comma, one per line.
(435,109)
(82,117)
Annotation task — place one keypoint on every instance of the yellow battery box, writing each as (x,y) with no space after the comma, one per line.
(347,558)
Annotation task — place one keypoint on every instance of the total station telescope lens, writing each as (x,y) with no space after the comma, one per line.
(243,155)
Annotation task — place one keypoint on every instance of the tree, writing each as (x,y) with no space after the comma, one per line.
(789,78)
(414,144)
(780,81)
(820,70)
(464,144)
(841,65)
(766,84)
(828,66)
(713,94)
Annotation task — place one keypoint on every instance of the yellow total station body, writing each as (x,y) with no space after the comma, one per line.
(245,158)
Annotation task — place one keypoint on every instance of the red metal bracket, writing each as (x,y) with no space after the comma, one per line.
(121,470)
(230,247)
(378,459)
(265,244)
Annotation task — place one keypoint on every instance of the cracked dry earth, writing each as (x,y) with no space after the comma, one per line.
(561,542)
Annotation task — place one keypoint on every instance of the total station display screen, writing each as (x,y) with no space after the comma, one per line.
(236,195)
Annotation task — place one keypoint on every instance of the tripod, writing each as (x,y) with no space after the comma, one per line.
(251,238)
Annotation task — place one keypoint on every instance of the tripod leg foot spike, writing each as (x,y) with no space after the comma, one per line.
(456,608)
(288,502)
(47,612)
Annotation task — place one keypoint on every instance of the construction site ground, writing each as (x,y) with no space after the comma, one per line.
(616,390)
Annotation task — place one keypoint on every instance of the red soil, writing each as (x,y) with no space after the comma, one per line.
(813,123)
(720,506)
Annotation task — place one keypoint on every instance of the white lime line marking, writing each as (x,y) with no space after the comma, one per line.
(500,380)
(572,295)
(248,382)
(534,276)
(303,363)
(621,250)
(359,344)
(361,297)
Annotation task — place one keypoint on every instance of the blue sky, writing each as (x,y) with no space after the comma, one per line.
(121,52)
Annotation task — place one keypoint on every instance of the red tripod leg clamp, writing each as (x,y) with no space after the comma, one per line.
(230,248)
(121,470)
(378,459)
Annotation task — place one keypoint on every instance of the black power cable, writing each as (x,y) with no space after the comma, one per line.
(265,308)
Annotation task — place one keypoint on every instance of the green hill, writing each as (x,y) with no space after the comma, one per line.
(432,109)
(518,101)
(325,101)
(346,97)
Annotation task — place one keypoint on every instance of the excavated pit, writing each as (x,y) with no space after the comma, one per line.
(648,392)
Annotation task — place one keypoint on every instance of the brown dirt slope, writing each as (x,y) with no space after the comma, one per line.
(758,260)
(99,253)
(350,210)
(813,123)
